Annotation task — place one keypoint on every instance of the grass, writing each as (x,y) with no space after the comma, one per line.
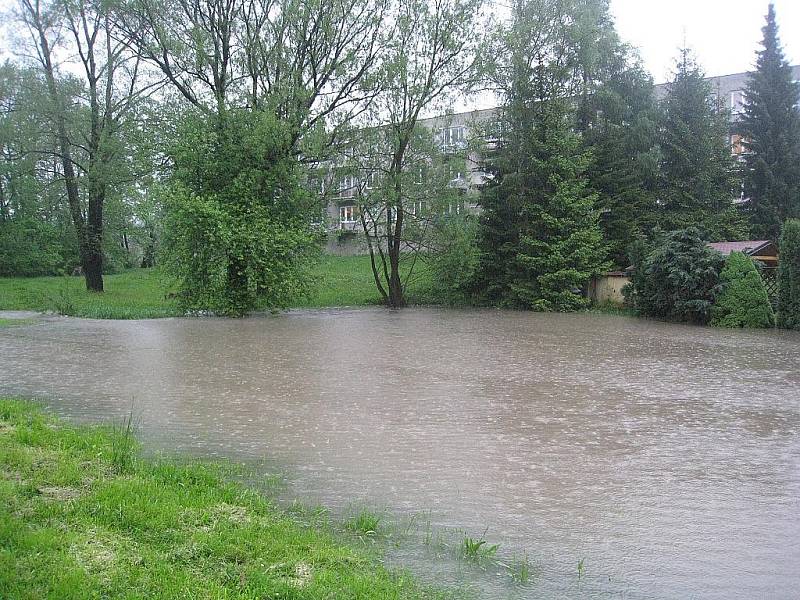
(136,294)
(82,516)
(141,294)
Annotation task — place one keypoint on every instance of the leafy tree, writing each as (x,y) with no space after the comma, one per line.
(789,276)
(540,240)
(679,279)
(697,171)
(770,128)
(743,300)
(430,56)
(89,147)
(237,234)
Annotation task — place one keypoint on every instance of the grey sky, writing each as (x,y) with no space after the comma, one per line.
(723,33)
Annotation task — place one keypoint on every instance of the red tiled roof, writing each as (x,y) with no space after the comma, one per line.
(747,246)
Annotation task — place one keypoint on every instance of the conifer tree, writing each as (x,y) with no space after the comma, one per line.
(789,276)
(770,127)
(697,170)
(540,237)
(622,135)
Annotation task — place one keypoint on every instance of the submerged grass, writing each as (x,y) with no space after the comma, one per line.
(80,518)
(141,293)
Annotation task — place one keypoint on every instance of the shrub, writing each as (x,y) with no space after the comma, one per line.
(743,301)
(29,248)
(453,260)
(231,263)
(679,279)
(789,276)
(236,234)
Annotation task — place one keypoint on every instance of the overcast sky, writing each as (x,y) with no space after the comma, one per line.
(723,33)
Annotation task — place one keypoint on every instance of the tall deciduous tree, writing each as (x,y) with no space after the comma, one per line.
(770,127)
(540,237)
(108,75)
(697,171)
(431,54)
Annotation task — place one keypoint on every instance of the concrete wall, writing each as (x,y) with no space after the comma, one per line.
(608,288)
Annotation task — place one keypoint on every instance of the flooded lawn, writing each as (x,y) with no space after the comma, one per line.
(665,457)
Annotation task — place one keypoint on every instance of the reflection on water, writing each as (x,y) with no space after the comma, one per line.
(666,456)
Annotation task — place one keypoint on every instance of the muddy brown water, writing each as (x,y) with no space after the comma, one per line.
(665,457)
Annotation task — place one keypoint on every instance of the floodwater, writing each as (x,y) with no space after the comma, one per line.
(665,457)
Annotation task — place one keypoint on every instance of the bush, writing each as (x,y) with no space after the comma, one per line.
(679,279)
(743,301)
(236,230)
(453,260)
(29,249)
(231,263)
(789,276)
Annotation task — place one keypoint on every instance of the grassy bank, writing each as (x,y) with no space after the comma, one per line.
(82,517)
(141,293)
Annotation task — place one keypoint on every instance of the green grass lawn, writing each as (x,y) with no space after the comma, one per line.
(82,516)
(141,293)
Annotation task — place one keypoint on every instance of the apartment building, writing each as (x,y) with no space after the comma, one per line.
(455,132)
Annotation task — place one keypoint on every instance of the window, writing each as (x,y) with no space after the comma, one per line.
(454,208)
(797,83)
(348,183)
(418,208)
(453,136)
(419,176)
(737,102)
(347,214)
(737,145)
(369,180)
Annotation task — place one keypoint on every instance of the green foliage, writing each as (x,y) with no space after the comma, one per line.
(540,238)
(789,276)
(478,549)
(453,260)
(236,233)
(697,172)
(30,248)
(770,127)
(73,525)
(679,279)
(743,300)
(621,131)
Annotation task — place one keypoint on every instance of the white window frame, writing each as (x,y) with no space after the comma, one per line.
(346,211)
(455,135)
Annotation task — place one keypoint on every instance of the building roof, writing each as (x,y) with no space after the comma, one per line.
(750,247)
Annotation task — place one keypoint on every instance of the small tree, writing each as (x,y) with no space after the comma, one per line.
(679,279)
(789,276)
(743,301)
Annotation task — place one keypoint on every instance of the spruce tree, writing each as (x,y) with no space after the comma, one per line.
(743,300)
(770,127)
(622,135)
(697,170)
(540,238)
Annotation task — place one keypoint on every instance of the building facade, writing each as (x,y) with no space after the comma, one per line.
(464,133)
